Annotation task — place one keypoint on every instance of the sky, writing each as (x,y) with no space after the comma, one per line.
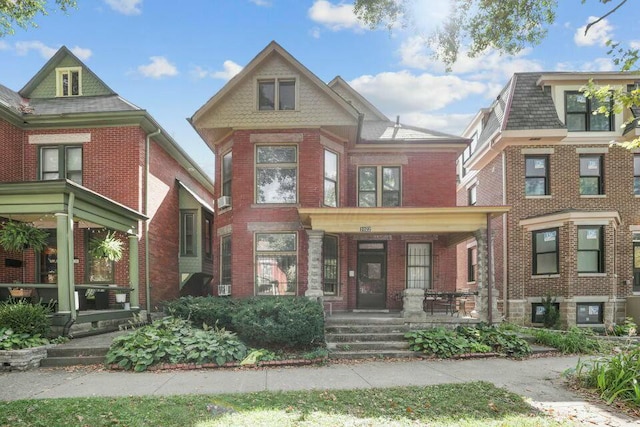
(170,57)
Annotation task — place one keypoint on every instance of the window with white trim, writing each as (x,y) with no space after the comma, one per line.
(227,163)
(276,94)
(419,265)
(330,178)
(69,81)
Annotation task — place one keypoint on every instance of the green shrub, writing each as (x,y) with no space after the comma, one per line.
(628,328)
(574,341)
(25,318)
(616,377)
(211,311)
(173,340)
(9,340)
(498,340)
(551,316)
(441,342)
(279,322)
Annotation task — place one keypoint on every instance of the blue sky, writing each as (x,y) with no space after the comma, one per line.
(170,57)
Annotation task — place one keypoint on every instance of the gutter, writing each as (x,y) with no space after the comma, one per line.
(145,209)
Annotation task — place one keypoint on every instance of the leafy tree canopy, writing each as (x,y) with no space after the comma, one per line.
(23,12)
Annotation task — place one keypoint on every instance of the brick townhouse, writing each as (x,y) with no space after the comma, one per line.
(573,231)
(80,161)
(319,194)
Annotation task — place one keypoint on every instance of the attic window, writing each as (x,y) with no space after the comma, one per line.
(277,94)
(68,81)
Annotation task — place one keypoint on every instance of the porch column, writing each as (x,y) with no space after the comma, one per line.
(413,305)
(487,298)
(134,276)
(314,264)
(66,295)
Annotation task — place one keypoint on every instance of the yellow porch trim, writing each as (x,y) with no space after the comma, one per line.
(462,219)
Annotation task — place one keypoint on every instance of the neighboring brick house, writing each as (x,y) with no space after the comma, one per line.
(72,148)
(573,231)
(319,194)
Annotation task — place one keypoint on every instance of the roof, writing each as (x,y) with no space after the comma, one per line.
(392,131)
(10,99)
(80,104)
(342,88)
(530,106)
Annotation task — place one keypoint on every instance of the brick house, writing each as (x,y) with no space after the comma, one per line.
(573,231)
(320,194)
(80,161)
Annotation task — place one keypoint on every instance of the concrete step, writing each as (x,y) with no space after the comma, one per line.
(366,329)
(61,351)
(370,345)
(369,354)
(57,362)
(337,320)
(366,337)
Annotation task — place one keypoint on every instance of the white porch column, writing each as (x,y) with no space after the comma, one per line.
(314,266)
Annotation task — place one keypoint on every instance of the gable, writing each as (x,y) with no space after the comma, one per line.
(358,101)
(238,108)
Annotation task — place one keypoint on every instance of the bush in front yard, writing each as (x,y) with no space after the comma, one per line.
(211,311)
(280,322)
(23,317)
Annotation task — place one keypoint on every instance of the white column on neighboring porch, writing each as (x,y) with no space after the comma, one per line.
(314,264)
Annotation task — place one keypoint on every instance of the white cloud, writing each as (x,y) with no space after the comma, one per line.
(23,48)
(335,17)
(158,68)
(126,7)
(4,45)
(402,92)
(82,53)
(229,69)
(447,123)
(598,64)
(634,44)
(598,34)
(315,32)
(263,3)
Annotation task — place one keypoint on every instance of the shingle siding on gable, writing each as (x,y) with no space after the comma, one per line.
(91,86)
(239,108)
(368,114)
(531,106)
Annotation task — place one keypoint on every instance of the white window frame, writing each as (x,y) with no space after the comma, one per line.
(60,73)
(331,180)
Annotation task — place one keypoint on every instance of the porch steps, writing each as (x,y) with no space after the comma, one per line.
(367,336)
(61,356)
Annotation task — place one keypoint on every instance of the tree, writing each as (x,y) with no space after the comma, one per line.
(23,12)
(507,26)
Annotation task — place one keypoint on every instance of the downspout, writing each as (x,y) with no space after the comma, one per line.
(72,285)
(147,275)
(505,254)
(489,272)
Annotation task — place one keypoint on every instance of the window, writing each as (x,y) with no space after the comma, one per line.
(225,260)
(276,174)
(276,269)
(536,181)
(226,174)
(277,94)
(61,162)
(591,176)
(466,154)
(472,195)
(330,178)
(590,249)
(378,186)
(538,311)
(636,175)
(580,117)
(545,251)
(419,265)
(589,313)
(207,235)
(188,233)
(330,265)
(69,81)
(472,264)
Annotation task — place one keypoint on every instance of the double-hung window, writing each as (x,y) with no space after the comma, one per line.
(379,186)
(69,81)
(591,175)
(276,264)
(545,251)
(276,174)
(472,264)
(636,175)
(536,181)
(590,249)
(580,113)
(277,94)
(330,178)
(188,233)
(227,162)
(330,265)
(419,266)
(472,195)
(225,260)
(61,162)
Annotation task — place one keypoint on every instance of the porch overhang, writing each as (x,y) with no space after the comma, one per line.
(460,220)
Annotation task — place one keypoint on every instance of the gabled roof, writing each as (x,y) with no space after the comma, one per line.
(50,66)
(354,95)
(272,48)
(10,99)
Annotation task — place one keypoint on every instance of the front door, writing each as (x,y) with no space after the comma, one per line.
(372,276)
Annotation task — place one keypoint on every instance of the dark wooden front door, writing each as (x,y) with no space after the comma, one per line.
(372,277)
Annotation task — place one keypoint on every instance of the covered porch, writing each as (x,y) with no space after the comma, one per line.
(63,206)
(451,224)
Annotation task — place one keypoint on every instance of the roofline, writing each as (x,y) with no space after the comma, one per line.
(561,76)
(253,64)
(365,101)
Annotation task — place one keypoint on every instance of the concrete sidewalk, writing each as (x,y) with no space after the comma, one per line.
(537,379)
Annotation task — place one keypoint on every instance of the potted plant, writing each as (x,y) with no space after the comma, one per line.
(109,247)
(17,236)
(121,297)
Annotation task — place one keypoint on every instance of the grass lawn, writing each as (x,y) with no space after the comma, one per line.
(470,404)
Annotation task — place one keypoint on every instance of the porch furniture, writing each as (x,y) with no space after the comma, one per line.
(447,301)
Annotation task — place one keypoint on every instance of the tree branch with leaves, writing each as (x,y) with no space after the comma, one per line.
(22,13)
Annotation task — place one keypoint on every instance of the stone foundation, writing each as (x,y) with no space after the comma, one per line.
(22,360)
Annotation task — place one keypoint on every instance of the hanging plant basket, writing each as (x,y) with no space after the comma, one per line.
(21,292)
(109,247)
(18,236)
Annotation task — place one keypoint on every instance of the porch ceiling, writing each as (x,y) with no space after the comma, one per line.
(38,201)
(463,219)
